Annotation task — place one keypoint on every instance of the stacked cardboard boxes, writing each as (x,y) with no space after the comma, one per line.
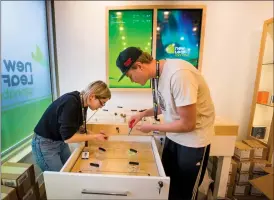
(8,193)
(258,162)
(231,179)
(18,182)
(212,169)
(250,157)
(242,156)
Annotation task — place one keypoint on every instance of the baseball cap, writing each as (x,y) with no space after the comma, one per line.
(126,58)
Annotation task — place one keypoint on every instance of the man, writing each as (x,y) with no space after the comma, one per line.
(188,111)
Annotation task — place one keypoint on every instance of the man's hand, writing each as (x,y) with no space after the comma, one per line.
(145,128)
(137,118)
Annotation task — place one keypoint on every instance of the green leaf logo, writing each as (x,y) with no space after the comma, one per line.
(38,56)
(170,48)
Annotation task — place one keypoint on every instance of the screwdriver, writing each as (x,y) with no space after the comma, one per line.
(131,125)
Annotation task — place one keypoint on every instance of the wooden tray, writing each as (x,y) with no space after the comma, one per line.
(116,159)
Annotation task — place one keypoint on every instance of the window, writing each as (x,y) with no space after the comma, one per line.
(26,88)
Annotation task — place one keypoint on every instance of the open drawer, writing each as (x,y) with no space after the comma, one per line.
(78,179)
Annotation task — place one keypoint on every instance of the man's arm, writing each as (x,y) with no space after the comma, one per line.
(77,137)
(150,112)
(186,123)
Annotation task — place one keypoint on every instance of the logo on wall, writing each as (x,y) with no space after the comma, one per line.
(161,101)
(177,50)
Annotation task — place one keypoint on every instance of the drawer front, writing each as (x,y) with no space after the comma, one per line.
(62,185)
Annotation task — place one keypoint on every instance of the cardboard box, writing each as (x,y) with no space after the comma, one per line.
(242,178)
(231,179)
(19,176)
(28,166)
(257,175)
(241,190)
(214,161)
(259,150)
(233,167)
(243,166)
(258,165)
(229,191)
(42,191)
(269,170)
(248,197)
(232,171)
(8,193)
(32,193)
(43,197)
(242,151)
(264,184)
(255,192)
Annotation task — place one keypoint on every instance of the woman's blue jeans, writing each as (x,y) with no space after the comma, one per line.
(49,155)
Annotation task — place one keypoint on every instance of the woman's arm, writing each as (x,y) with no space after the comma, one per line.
(77,137)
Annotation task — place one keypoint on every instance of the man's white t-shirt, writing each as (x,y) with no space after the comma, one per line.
(181,84)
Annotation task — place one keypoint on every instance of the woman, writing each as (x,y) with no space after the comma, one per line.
(63,122)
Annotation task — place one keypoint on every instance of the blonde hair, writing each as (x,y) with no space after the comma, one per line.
(143,58)
(98,88)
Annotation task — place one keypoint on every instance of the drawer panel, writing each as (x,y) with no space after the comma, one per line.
(121,150)
(73,186)
(116,166)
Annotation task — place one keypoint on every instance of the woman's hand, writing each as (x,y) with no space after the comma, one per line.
(101,136)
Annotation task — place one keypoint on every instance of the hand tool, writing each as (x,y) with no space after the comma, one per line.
(131,125)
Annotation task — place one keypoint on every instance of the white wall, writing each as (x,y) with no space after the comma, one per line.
(232,38)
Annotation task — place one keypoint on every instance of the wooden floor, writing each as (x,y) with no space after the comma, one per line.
(120,158)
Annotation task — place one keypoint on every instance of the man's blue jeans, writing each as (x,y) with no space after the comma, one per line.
(49,155)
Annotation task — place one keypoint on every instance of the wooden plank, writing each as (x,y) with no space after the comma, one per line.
(226,130)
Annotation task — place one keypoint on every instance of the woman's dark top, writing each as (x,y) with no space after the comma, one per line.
(62,118)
